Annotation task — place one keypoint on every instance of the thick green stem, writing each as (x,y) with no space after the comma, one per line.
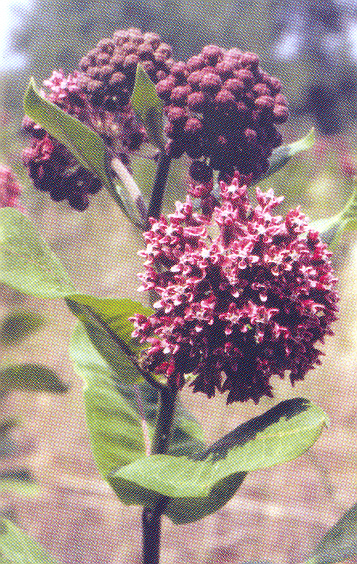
(159,186)
(151,518)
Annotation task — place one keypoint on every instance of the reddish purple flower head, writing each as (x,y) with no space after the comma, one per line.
(10,189)
(236,308)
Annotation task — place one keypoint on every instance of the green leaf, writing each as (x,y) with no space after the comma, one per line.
(107,325)
(31,378)
(19,325)
(19,481)
(84,143)
(27,264)
(17,548)
(187,433)
(148,107)
(117,414)
(340,543)
(331,228)
(115,428)
(280,435)
(282,155)
(7,424)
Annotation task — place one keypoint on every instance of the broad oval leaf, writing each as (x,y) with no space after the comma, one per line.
(148,106)
(27,263)
(187,434)
(340,542)
(115,428)
(282,155)
(17,548)
(31,378)
(118,415)
(280,435)
(84,143)
(332,228)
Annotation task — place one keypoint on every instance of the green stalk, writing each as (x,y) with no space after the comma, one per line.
(151,518)
(159,186)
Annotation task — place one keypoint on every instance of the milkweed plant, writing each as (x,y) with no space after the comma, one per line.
(238,293)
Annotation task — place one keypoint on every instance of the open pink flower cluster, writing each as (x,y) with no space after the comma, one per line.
(240,307)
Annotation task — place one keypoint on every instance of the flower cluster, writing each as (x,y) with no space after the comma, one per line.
(241,307)
(51,166)
(221,106)
(109,69)
(10,190)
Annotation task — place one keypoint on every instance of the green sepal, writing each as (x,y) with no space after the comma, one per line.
(280,435)
(339,543)
(148,107)
(332,228)
(31,378)
(282,155)
(17,548)
(84,143)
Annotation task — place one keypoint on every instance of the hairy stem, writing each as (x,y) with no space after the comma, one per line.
(151,517)
(159,186)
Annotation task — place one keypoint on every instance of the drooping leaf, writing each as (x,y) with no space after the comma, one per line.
(84,143)
(19,325)
(27,263)
(117,414)
(331,228)
(7,424)
(31,378)
(282,155)
(280,435)
(339,543)
(7,444)
(17,548)
(148,106)
(107,325)
(115,428)
(24,489)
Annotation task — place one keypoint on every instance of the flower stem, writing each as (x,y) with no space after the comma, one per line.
(159,186)
(151,517)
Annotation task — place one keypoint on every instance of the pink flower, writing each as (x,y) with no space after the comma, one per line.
(10,189)
(240,307)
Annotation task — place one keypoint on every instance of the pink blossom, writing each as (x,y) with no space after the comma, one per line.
(240,307)
(10,190)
